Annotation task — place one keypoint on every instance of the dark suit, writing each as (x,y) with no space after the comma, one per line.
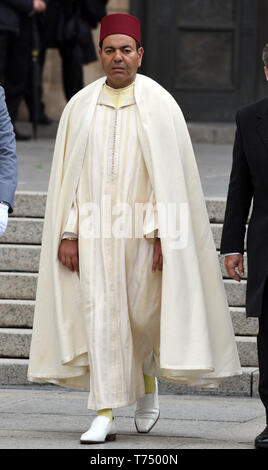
(69,25)
(15,47)
(249,183)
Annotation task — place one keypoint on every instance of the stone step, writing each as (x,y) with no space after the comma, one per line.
(242,325)
(247,350)
(16,313)
(29,204)
(245,384)
(18,285)
(212,132)
(216,209)
(20,258)
(19,314)
(22,285)
(28,231)
(15,342)
(25,257)
(236,292)
(32,204)
(26,222)
(23,230)
(14,372)
(217,233)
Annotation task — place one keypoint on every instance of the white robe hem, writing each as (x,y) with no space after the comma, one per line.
(121,404)
(73,356)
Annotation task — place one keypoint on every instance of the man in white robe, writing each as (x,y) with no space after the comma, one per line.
(118,277)
(122,310)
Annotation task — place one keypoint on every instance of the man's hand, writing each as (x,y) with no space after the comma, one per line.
(38,7)
(68,254)
(234,261)
(157,257)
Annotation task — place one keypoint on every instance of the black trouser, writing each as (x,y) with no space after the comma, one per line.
(262,343)
(5,39)
(18,67)
(28,92)
(14,64)
(72,70)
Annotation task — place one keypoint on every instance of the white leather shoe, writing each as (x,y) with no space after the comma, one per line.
(147,411)
(101,430)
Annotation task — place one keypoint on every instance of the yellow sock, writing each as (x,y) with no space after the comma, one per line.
(108,412)
(149,382)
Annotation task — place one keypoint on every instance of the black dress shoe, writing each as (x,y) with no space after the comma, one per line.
(44,119)
(261,441)
(20,136)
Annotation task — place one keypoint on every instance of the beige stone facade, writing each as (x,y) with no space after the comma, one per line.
(53,97)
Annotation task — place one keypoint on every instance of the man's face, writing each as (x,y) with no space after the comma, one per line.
(120,59)
(266,73)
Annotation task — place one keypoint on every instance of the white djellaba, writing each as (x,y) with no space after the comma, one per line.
(197,343)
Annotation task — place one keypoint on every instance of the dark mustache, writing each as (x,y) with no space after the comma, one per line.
(121,66)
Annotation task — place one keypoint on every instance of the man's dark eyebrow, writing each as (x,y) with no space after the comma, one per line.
(122,47)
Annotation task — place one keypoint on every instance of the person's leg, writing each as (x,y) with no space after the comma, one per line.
(42,117)
(4,39)
(72,70)
(262,347)
(149,382)
(17,68)
(102,428)
(108,412)
(147,410)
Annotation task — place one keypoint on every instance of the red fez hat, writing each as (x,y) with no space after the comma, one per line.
(120,23)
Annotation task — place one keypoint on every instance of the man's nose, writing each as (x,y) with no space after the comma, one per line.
(117,55)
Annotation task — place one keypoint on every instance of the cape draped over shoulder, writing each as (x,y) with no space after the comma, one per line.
(197,343)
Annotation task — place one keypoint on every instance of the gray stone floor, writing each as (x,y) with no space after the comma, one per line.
(49,417)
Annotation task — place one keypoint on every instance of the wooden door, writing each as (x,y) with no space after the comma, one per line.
(203,51)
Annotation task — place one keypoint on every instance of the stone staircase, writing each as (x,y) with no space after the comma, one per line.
(19,263)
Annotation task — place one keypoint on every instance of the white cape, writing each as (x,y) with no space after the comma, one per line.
(197,343)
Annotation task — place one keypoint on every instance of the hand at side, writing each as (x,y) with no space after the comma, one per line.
(68,254)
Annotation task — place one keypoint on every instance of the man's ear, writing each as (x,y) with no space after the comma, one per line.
(140,54)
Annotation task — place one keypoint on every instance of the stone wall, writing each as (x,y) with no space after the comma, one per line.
(53,96)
